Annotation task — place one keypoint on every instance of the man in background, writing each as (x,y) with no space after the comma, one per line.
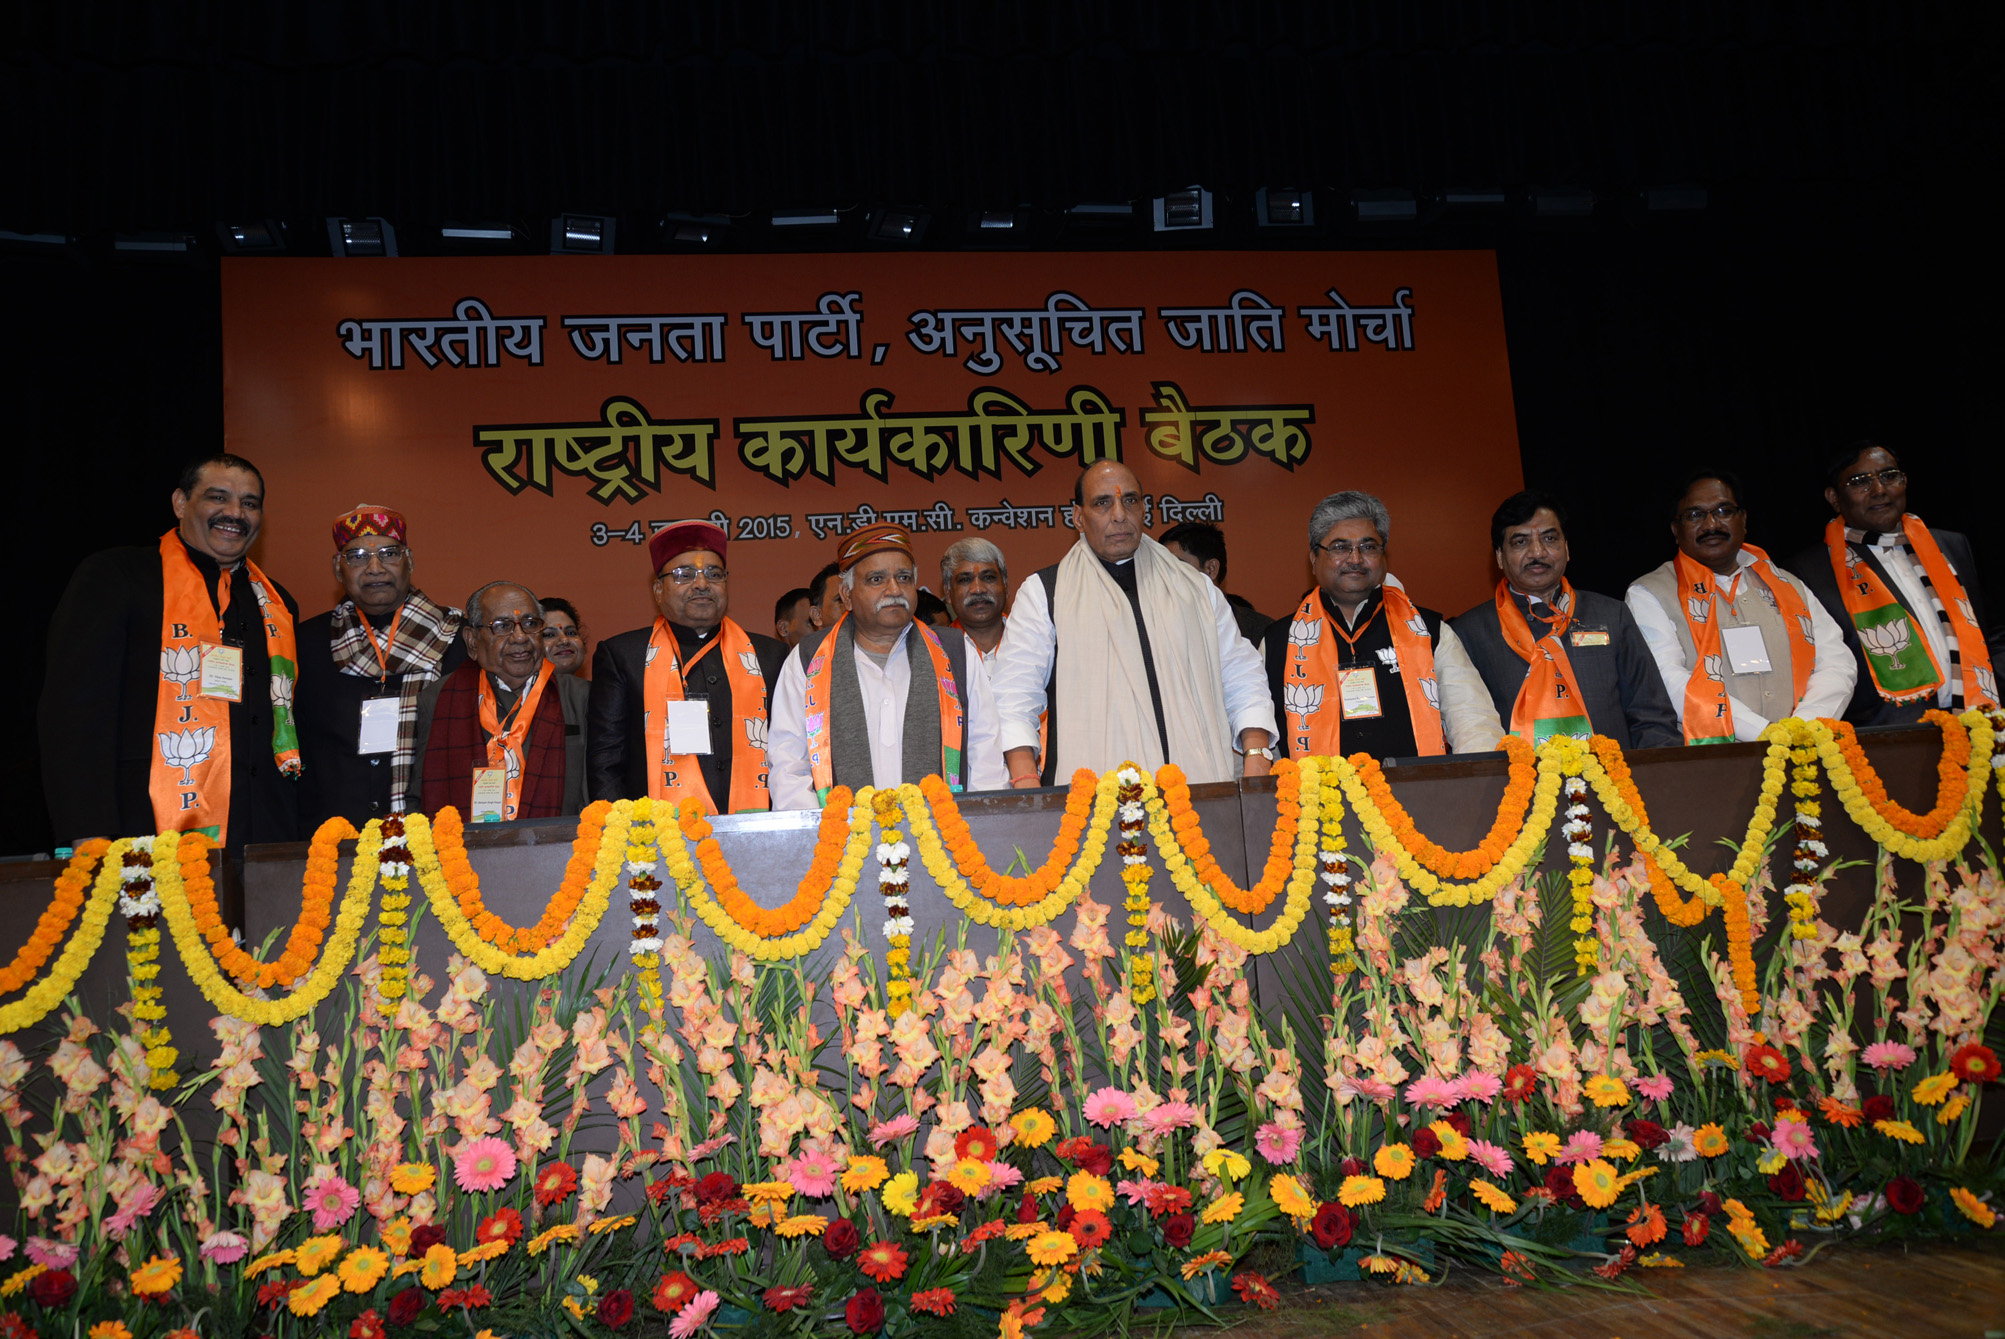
(1202,545)
(790,616)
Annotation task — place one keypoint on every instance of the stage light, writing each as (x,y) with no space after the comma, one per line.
(261,237)
(695,232)
(1284,207)
(498,233)
(1181,210)
(582,235)
(149,245)
(805,220)
(361,237)
(896,226)
(1100,217)
(1673,199)
(1472,201)
(1384,205)
(1002,228)
(1561,203)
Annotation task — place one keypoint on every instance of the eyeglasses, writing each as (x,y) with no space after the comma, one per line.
(682,576)
(1860,483)
(391,554)
(1343,548)
(504,627)
(1726,511)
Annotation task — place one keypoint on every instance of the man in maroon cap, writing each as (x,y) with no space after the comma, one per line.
(377,659)
(879,699)
(679,708)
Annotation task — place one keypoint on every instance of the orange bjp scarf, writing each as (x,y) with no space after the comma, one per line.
(674,777)
(1312,673)
(1708,710)
(821,695)
(1549,701)
(504,744)
(190,777)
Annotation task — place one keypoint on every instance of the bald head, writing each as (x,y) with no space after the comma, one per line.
(1109,510)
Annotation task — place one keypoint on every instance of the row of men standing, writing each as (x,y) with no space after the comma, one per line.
(171,704)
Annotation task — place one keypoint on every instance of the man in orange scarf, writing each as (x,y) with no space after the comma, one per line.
(1559,661)
(168,701)
(1739,641)
(1906,596)
(1358,667)
(679,707)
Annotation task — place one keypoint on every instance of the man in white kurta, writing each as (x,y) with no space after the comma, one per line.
(1136,655)
(880,584)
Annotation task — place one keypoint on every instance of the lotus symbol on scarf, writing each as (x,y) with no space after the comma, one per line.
(1701,609)
(1889,639)
(1987,682)
(750,660)
(185,748)
(181,664)
(513,760)
(1715,670)
(648,659)
(1301,633)
(1417,624)
(1302,699)
(1804,619)
(1969,614)
(1430,688)
(282,692)
(755,732)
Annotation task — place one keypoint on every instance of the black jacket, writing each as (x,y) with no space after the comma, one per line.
(1813,565)
(96,716)
(616,755)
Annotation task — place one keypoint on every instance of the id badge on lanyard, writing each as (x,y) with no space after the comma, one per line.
(222,672)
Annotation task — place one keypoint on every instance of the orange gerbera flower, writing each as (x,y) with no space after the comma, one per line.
(884,1261)
(1646,1225)
(1836,1112)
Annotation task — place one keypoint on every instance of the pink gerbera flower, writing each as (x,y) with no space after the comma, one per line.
(1372,1090)
(1583,1147)
(136,1207)
(7,1245)
(331,1200)
(1171,1116)
(1655,1088)
(1489,1157)
(1793,1139)
(483,1164)
(694,1315)
(51,1254)
(225,1248)
(1429,1091)
(1888,1055)
(1480,1085)
(1002,1176)
(1109,1107)
(813,1173)
(891,1131)
(1277,1142)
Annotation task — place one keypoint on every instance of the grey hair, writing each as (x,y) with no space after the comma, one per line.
(970,550)
(1349,506)
(476,613)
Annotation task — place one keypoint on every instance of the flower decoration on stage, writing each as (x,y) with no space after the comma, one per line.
(393,937)
(139,903)
(644,904)
(1135,878)
(895,885)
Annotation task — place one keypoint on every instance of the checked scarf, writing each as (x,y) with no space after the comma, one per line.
(420,636)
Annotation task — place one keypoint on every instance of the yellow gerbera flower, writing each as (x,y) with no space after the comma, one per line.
(1052,1248)
(1291,1197)
(801,1224)
(1226,1163)
(1225,1208)
(768,1192)
(1952,1109)
(1023,1231)
(308,1300)
(409,1178)
(901,1194)
(1605,1090)
(1034,1128)
(1087,1191)
(1541,1146)
(441,1266)
(864,1173)
(1709,1140)
(487,1250)
(1197,1264)
(1043,1185)
(363,1269)
(969,1176)
(600,1226)
(110,1329)
(1492,1197)
(1394,1161)
(1628,1179)
(1595,1182)
(1138,1162)
(317,1253)
(1454,1147)
(264,1262)
(1973,1208)
(555,1232)
(1934,1088)
(156,1276)
(1625,1149)
(1358,1190)
(396,1236)
(1898,1129)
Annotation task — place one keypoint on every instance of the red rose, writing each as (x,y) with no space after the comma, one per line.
(616,1308)
(1559,1180)
(1354,1167)
(1974,1062)
(1063,1220)
(424,1238)
(1425,1144)
(1178,1229)
(1756,1133)
(1709,1203)
(715,1186)
(1905,1195)
(841,1239)
(865,1312)
(1520,1082)
(1097,1159)
(1459,1122)
(1787,1183)
(1697,1227)
(1331,1227)
(407,1306)
(53,1287)
(1026,1211)
(1878,1107)
(937,1198)
(1785,1104)
(1645,1134)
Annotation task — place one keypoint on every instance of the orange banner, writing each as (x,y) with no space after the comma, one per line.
(536,417)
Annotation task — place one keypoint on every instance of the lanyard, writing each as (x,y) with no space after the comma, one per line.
(389,640)
(1350,639)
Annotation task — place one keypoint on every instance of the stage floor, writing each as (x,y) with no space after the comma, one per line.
(1843,1294)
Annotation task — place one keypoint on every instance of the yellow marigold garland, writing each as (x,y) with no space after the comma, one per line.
(55,985)
(393,913)
(642,903)
(681,867)
(1555,761)
(1801,892)
(1863,807)
(210,978)
(940,864)
(1301,883)
(1135,877)
(555,956)
(140,905)
(72,890)
(1580,876)
(1336,874)
(895,885)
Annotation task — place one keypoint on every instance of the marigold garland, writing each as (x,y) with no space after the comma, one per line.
(1002,889)
(806,903)
(1301,884)
(842,809)
(210,979)
(895,885)
(1280,851)
(140,905)
(940,864)
(602,826)
(1950,783)
(1740,944)
(56,984)
(1135,877)
(446,836)
(642,904)
(1336,874)
(72,890)
(316,911)
(1902,833)
(1436,859)
(393,935)
(1557,759)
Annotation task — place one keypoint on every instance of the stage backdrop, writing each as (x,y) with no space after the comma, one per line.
(536,417)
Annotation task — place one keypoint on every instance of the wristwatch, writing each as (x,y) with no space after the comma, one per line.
(1266,751)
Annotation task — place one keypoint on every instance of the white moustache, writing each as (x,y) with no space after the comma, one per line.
(894,602)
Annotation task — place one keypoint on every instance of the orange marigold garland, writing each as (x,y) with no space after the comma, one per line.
(72,890)
(139,903)
(1951,780)
(1003,889)
(1135,875)
(1740,942)
(316,911)
(1280,851)
(806,903)
(449,840)
(1677,910)
(1472,864)
(393,936)
(895,882)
